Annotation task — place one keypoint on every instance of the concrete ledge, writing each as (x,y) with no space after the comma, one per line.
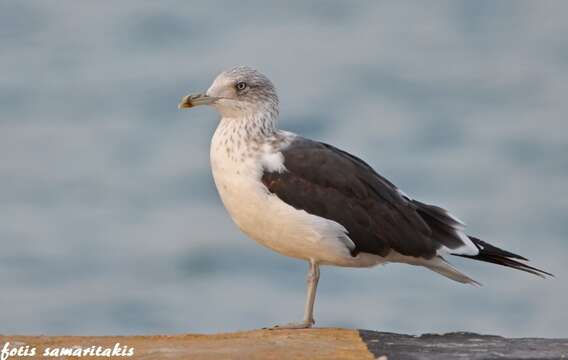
(326,344)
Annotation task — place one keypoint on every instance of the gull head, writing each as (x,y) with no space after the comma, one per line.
(236,93)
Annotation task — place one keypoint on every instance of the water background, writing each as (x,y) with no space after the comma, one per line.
(109,219)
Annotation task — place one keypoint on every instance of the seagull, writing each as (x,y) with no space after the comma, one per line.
(309,200)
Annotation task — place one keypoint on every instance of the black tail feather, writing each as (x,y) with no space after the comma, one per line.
(494,255)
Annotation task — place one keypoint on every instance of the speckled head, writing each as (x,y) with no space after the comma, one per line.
(238,92)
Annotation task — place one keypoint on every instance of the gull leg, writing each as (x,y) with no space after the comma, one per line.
(308,321)
(313,278)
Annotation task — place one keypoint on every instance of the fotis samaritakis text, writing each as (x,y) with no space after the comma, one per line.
(19,350)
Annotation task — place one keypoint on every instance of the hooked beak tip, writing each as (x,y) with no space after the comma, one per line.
(185,103)
(190,101)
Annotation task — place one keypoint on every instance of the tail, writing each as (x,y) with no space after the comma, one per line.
(494,255)
(442,267)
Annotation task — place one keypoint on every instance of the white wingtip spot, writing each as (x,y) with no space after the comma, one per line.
(468,247)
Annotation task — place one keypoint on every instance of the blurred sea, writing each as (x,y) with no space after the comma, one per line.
(109,219)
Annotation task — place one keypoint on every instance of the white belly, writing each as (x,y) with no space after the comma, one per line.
(273,223)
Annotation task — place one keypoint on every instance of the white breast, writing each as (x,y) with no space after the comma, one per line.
(237,170)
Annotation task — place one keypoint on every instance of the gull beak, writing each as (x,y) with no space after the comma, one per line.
(190,101)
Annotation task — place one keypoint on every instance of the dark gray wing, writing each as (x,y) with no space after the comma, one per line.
(330,183)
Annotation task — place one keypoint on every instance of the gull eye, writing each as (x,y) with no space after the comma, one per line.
(241,85)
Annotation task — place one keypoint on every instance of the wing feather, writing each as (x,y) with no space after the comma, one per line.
(331,183)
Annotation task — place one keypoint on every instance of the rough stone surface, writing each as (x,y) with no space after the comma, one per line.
(462,345)
(311,344)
